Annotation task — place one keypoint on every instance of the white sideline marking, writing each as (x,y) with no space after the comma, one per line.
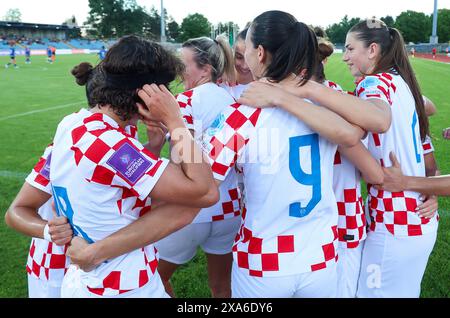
(40,111)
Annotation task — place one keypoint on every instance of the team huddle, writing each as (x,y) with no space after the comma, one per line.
(265,169)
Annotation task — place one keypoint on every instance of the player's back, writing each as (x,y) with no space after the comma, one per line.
(291,218)
(82,142)
(98,201)
(200,107)
(234,90)
(293,172)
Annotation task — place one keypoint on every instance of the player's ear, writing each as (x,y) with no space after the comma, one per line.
(262,54)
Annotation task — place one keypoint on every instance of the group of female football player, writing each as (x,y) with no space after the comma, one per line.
(264,171)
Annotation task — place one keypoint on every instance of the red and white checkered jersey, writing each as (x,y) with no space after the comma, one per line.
(333,85)
(101,178)
(427,146)
(347,188)
(234,90)
(200,107)
(395,212)
(46,260)
(290,221)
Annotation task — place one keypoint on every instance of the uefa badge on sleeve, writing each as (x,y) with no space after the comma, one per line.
(129,163)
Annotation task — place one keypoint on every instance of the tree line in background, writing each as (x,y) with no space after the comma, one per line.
(115,18)
(415,27)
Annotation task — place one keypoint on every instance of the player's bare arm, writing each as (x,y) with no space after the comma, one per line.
(191,182)
(327,123)
(446,133)
(148,229)
(430,108)
(395,181)
(359,155)
(23,216)
(372,115)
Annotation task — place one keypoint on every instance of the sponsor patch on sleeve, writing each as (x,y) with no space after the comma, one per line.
(45,171)
(217,125)
(370,82)
(129,163)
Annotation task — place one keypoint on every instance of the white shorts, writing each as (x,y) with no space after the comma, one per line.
(39,288)
(348,268)
(318,284)
(73,288)
(215,238)
(393,266)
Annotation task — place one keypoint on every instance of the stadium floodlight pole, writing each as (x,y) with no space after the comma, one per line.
(434,37)
(163,23)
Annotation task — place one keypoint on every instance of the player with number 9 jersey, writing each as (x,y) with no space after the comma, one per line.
(278,236)
(287,244)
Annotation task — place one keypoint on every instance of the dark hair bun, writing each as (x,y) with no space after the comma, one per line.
(326,48)
(320,33)
(82,72)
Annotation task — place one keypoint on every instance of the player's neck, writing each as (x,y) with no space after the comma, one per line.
(107,110)
(203,81)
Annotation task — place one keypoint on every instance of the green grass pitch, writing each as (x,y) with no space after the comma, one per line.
(34,98)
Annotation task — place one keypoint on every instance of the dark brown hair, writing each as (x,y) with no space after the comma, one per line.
(326,49)
(86,75)
(320,33)
(242,35)
(291,44)
(136,60)
(393,57)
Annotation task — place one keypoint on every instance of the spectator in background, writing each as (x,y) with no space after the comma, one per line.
(433,51)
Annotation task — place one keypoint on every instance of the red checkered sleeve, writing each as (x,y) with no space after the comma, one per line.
(333,85)
(226,140)
(185,103)
(427,146)
(39,177)
(119,161)
(376,87)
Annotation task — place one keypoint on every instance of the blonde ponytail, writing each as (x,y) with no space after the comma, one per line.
(226,60)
